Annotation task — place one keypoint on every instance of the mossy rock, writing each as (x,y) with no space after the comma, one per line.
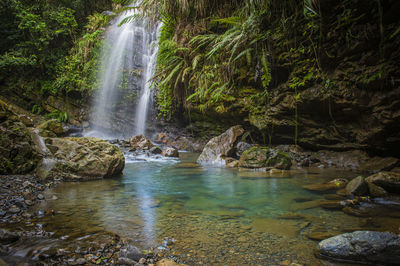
(51,128)
(264,157)
(81,159)
(18,153)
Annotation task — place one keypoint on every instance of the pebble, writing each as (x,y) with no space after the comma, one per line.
(29,202)
(142,261)
(14,209)
(40,196)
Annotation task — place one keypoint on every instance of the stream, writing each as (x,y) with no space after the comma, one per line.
(202,215)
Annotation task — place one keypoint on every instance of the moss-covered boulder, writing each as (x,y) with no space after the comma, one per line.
(80,159)
(51,128)
(264,157)
(17,149)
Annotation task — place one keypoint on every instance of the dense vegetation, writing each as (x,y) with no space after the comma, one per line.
(214,54)
(35,47)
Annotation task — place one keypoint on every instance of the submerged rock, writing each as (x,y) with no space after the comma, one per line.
(221,146)
(140,142)
(7,237)
(167,262)
(331,185)
(81,159)
(389,181)
(362,246)
(263,157)
(170,152)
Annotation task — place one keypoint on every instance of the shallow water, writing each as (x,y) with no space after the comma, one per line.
(214,216)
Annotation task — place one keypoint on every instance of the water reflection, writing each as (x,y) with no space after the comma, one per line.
(210,210)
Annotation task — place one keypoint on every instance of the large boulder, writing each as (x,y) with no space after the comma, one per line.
(357,187)
(140,142)
(389,181)
(51,128)
(170,152)
(221,146)
(264,157)
(362,246)
(18,154)
(80,159)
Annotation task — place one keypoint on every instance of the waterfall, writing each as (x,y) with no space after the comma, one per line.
(143,106)
(127,65)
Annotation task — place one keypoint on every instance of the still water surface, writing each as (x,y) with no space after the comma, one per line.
(215,216)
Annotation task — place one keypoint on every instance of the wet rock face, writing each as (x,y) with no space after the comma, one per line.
(221,146)
(17,152)
(81,159)
(263,157)
(345,119)
(388,181)
(362,246)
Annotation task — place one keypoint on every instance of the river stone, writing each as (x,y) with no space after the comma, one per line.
(389,181)
(140,142)
(170,152)
(7,237)
(126,261)
(51,128)
(221,146)
(131,252)
(79,159)
(156,150)
(264,157)
(167,262)
(362,246)
(357,187)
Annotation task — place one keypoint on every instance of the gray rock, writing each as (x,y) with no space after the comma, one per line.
(170,152)
(7,237)
(126,261)
(357,186)
(221,146)
(362,246)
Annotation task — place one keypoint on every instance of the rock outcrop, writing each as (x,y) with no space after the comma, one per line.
(264,157)
(362,246)
(221,147)
(17,149)
(80,159)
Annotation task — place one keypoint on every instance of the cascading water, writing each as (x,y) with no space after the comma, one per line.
(143,106)
(128,63)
